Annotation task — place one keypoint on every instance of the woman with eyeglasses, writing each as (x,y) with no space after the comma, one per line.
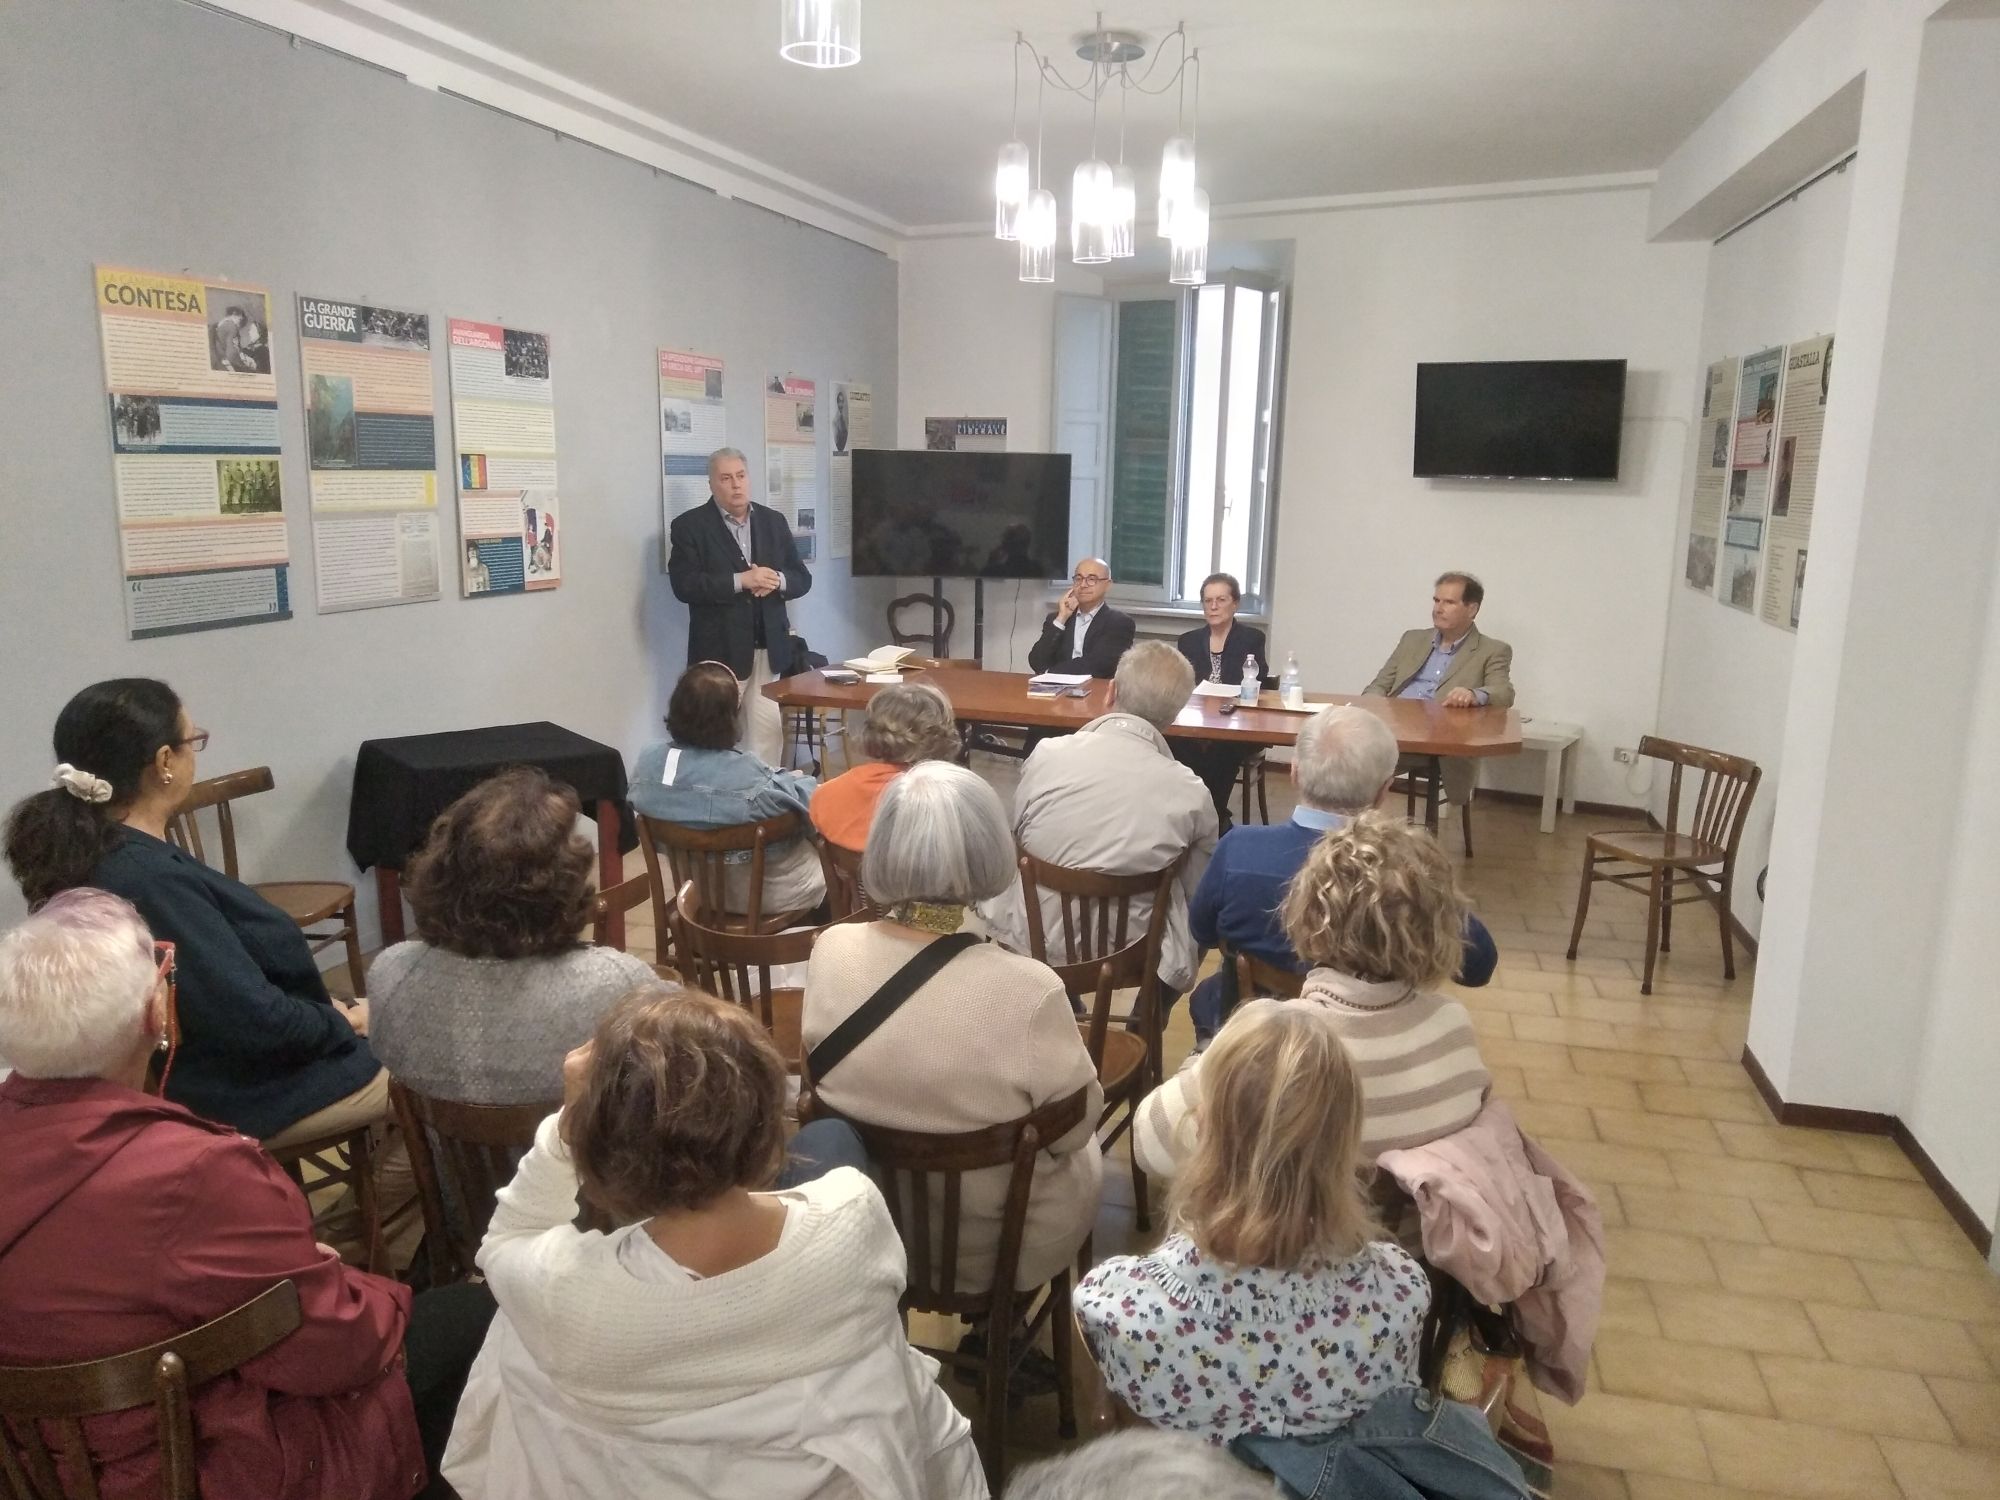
(1217,650)
(263,1047)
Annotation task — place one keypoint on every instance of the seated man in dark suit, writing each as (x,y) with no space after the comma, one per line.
(1344,761)
(1084,635)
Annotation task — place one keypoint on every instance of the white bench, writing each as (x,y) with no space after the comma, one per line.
(1555,740)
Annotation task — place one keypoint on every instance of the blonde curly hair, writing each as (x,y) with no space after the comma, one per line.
(909,722)
(1377,899)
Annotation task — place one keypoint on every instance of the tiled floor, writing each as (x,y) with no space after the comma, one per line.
(1789,1312)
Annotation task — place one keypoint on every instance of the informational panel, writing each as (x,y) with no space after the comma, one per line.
(194,441)
(371,453)
(1795,478)
(791,456)
(965,434)
(853,427)
(1744,517)
(693,425)
(503,417)
(1711,473)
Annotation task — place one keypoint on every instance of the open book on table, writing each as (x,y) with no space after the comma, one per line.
(881,659)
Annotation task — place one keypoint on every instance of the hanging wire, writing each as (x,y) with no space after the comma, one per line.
(1194,135)
(1124,100)
(1016,134)
(1090,84)
(1040,90)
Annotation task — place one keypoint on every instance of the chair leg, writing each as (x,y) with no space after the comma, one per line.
(999,1345)
(351,935)
(1263,787)
(1243,785)
(1142,1214)
(1667,914)
(1465,823)
(1064,1348)
(1722,918)
(1652,930)
(1582,901)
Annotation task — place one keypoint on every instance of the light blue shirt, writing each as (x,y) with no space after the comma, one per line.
(1312,817)
(741,531)
(1425,684)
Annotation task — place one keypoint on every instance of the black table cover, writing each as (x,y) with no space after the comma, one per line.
(401,785)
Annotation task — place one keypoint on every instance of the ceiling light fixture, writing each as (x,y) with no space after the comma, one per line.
(820,33)
(1038,217)
(1012,179)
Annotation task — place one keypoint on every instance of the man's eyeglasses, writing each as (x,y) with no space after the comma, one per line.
(197,742)
(1090,578)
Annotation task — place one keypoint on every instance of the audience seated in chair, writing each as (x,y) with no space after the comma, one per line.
(1374,909)
(125,1220)
(1112,798)
(1344,760)
(1273,1306)
(987,1039)
(698,778)
(906,723)
(496,987)
(733,1342)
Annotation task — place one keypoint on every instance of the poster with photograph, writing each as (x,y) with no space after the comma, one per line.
(693,425)
(791,451)
(853,427)
(1711,472)
(1795,477)
(1748,495)
(965,434)
(371,454)
(194,443)
(503,417)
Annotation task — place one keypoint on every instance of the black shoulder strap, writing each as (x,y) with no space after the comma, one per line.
(923,966)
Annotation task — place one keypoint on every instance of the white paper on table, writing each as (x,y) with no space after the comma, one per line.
(1216,690)
(1059,679)
(884,677)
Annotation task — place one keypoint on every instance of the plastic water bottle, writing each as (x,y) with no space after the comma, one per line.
(1291,687)
(1247,694)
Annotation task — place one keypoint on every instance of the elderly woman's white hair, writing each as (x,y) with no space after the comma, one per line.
(1153,681)
(1344,757)
(940,834)
(74,981)
(1142,1464)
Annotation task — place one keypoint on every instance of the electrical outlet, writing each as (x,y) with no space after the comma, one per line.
(1624,755)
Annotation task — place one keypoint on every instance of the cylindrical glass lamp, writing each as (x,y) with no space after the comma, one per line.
(1038,236)
(1176,180)
(1090,214)
(1187,261)
(820,33)
(1124,210)
(1010,190)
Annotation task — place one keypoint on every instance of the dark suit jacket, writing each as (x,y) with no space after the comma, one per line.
(1109,637)
(723,621)
(1244,640)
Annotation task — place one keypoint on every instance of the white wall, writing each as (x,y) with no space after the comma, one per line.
(312,173)
(1727,673)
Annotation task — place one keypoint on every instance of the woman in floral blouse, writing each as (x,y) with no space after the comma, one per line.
(1272,1308)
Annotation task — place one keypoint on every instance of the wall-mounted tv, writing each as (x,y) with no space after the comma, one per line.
(923,514)
(1520,419)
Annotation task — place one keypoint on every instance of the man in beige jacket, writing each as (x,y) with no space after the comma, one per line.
(1451,664)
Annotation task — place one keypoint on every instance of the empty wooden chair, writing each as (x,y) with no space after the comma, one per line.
(160,1375)
(738,966)
(678,856)
(1657,864)
(933,634)
(1118,1055)
(323,909)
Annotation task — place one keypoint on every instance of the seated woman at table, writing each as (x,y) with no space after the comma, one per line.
(735,1341)
(263,1047)
(699,778)
(1217,650)
(497,987)
(124,1220)
(906,723)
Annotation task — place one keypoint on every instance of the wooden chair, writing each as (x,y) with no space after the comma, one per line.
(312,904)
(343,1164)
(845,896)
(622,897)
(737,965)
(1704,857)
(162,1375)
(462,1155)
(921,1176)
(943,619)
(1255,771)
(1422,778)
(1255,977)
(677,856)
(1118,1055)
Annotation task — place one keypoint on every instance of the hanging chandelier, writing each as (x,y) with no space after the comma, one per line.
(1104,195)
(820,33)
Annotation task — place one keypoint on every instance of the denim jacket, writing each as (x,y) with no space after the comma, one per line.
(1408,1445)
(716,789)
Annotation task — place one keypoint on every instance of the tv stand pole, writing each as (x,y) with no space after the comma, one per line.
(979,621)
(937,617)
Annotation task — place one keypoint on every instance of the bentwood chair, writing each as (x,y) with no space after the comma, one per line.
(943,618)
(613,901)
(162,1376)
(1255,773)
(845,895)
(461,1156)
(339,1170)
(744,967)
(1420,780)
(1702,859)
(677,856)
(1118,1055)
(323,909)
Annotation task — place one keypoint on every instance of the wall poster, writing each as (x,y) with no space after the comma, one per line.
(503,417)
(693,425)
(1795,477)
(853,427)
(1711,472)
(791,456)
(965,434)
(1750,476)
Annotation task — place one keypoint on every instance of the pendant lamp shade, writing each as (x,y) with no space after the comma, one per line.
(1010,190)
(820,33)
(1038,236)
(1176,180)
(1187,260)
(1090,214)
(1124,210)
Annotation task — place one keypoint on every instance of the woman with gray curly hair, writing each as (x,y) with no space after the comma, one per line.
(906,723)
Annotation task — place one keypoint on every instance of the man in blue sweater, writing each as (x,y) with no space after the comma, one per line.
(1344,761)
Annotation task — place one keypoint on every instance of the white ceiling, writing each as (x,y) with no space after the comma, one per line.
(1300,99)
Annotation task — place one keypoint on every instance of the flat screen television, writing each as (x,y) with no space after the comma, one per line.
(923,514)
(1520,419)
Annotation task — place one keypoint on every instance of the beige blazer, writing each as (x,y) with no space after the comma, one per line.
(1480,662)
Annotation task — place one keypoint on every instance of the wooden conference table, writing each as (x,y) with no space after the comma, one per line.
(981,697)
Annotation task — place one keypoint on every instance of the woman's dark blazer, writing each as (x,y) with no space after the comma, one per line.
(1244,640)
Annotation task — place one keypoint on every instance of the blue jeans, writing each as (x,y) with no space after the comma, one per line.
(1409,1445)
(818,1148)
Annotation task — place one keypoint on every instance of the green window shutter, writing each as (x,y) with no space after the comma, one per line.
(1142,443)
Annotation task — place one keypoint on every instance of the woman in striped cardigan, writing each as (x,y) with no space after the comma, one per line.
(1377,913)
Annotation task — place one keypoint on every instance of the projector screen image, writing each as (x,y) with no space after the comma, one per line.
(1520,419)
(919,514)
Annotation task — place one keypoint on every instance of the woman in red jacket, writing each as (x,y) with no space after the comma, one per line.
(125,1219)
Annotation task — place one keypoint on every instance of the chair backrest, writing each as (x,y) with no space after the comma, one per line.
(160,1375)
(464,1153)
(1722,800)
(845,895)
(942,615)
(736,964)
(622,897)
(1092,981)
(184,829)
(1256,977)
(678,856)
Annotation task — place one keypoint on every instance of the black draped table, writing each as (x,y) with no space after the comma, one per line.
(401,785)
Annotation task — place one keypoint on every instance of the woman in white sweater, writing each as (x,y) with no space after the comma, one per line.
(733,1342)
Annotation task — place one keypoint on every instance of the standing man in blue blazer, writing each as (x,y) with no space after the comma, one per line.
(733,563)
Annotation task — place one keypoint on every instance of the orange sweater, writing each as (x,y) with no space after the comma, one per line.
(843,808)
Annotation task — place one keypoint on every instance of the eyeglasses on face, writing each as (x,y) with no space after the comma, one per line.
(197,742)
(1090,578)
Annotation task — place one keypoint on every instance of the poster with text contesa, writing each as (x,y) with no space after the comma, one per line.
(693,425)
(503,418)
(194,442)
(965,434)
(1711,472)
(371,453)
(1748,497)
(853,427)
(791,455)
(1795,477)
